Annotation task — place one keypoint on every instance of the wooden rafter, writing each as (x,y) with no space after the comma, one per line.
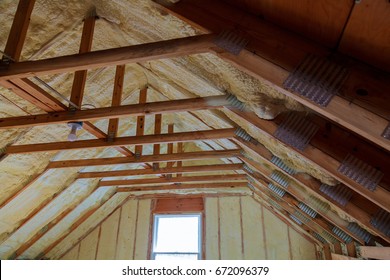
(117,56)
(157,130)
(184,187)
(116,111)
(262,59)
(140,121)
(172,170)
(116,100)
(80,77)
(174,180)
(121,141)
(19,28)
(145,159)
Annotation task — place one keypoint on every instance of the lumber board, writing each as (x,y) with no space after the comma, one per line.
(379,253)
(145,159)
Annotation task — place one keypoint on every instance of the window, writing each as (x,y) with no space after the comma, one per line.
(177,237)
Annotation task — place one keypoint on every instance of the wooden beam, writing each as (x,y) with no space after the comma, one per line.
(186,179)
(144,159)
(17,34)
(174,187)
(121,141)
(179,163)
(152,108)
(158,171)
(262,59)
(141,121)
(379,253)
(170,148)
(157,130)
(103,58)
(116,100)
(80,77)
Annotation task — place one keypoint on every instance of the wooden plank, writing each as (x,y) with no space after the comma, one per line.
(230,230)
(103,58)
(174,180)
(18,32)
(80,77)
(157,130)
(184,187)
(327,252)
(358,39)
(254,247)
(180,149)
(212,228)
(72,254)
(121,141)
(263,60)
(379,253)
(141,121)
(185,169)
(171,106)
(179,205)
(143,230)
(88,246)
(170,146)
(145,159)
(351,249)
(116,99)
(127,228)
(108,235)
(40,94)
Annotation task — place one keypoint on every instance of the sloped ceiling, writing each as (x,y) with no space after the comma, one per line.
(40,205)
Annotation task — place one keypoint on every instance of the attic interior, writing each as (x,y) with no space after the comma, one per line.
(269,118)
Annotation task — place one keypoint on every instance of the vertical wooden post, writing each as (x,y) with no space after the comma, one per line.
(157,130)
(179,163)
(80,77)
(170,149)
(140,121)
(116,100)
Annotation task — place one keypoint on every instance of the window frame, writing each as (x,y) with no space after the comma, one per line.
(156,216)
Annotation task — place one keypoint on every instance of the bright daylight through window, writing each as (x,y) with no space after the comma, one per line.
(177,237)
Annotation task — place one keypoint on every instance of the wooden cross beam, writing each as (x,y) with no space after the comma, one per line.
(121,141)
(174,180)
(184,187)
(145,159)
(103,58)
(171,170)
(151,108)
